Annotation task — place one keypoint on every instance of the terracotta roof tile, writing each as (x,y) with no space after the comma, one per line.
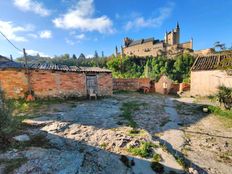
(54,67)
(212,62)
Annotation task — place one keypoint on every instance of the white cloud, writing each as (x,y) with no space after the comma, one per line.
(32,6)
(35,53)
(69,42)
(11,31)
(141,22)
(46,34)
(81,18)
(80,36)
(32,35)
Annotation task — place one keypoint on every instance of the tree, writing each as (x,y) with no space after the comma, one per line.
(74,56)
(96,55)
(219,46)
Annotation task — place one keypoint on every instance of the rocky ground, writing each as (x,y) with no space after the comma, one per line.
(92,137)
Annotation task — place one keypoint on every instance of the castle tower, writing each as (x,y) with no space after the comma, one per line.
(166,37)
(177,34)
(116,51)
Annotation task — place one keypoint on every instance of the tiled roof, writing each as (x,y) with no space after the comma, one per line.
(212,62)
(54,67)
(138,42)
(3,59)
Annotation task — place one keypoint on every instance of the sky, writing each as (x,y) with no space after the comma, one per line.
(55,27)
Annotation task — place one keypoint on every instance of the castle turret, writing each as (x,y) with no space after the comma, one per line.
(177,34)
(116,51)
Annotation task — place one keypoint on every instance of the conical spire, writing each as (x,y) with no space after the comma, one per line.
(177,25)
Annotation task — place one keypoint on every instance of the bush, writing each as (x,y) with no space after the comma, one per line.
(5,120)
(144,150)
(225,96)
(157,167)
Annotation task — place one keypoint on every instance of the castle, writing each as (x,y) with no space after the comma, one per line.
(170,46)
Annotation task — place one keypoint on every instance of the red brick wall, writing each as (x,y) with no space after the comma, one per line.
(105,84)
(58,84)
(130,84)
(46,83)
(14,83)
(159,85)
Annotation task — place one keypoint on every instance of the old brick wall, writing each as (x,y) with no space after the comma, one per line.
(130,84)
(105,84)
(58,84)
(47,83)
(159,85)
(205,83)
(13,83)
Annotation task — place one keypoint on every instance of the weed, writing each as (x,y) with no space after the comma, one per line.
(156,158)
(157,167)
(180,160)
(13,164)
(103,145)
(220,112)
(134,131)
(144,150)
(127,111)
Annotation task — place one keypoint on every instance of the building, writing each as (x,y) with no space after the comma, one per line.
(3,59)
(164,85)
(209,72)
(153,47)
(46,80)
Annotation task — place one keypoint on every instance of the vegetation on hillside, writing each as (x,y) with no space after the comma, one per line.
(178,69)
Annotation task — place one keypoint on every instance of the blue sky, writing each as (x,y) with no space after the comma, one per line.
(54,27)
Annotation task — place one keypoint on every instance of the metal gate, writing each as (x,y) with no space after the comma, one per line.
(91,83)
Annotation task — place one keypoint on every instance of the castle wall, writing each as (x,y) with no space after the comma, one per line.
(186,45)
(145,49)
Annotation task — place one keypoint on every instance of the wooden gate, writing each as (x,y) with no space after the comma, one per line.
(91,83)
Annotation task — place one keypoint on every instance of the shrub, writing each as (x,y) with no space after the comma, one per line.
(225,96)
(144,150)
(5,120)
(157,167)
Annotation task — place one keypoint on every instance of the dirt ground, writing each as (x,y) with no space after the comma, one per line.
(92,137)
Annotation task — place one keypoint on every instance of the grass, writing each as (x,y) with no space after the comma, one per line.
(156,157)
(180,160)
(35,141)
(13,164)
(103,145)
(220,112)
(225,115)
(144,150)
(22,106)
(127,111)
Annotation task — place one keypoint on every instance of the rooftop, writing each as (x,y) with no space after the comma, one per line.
(141,41)
(55,67)
(212,62)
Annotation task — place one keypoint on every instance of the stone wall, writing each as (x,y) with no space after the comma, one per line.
(130,84)
(47,83)
(205,83)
